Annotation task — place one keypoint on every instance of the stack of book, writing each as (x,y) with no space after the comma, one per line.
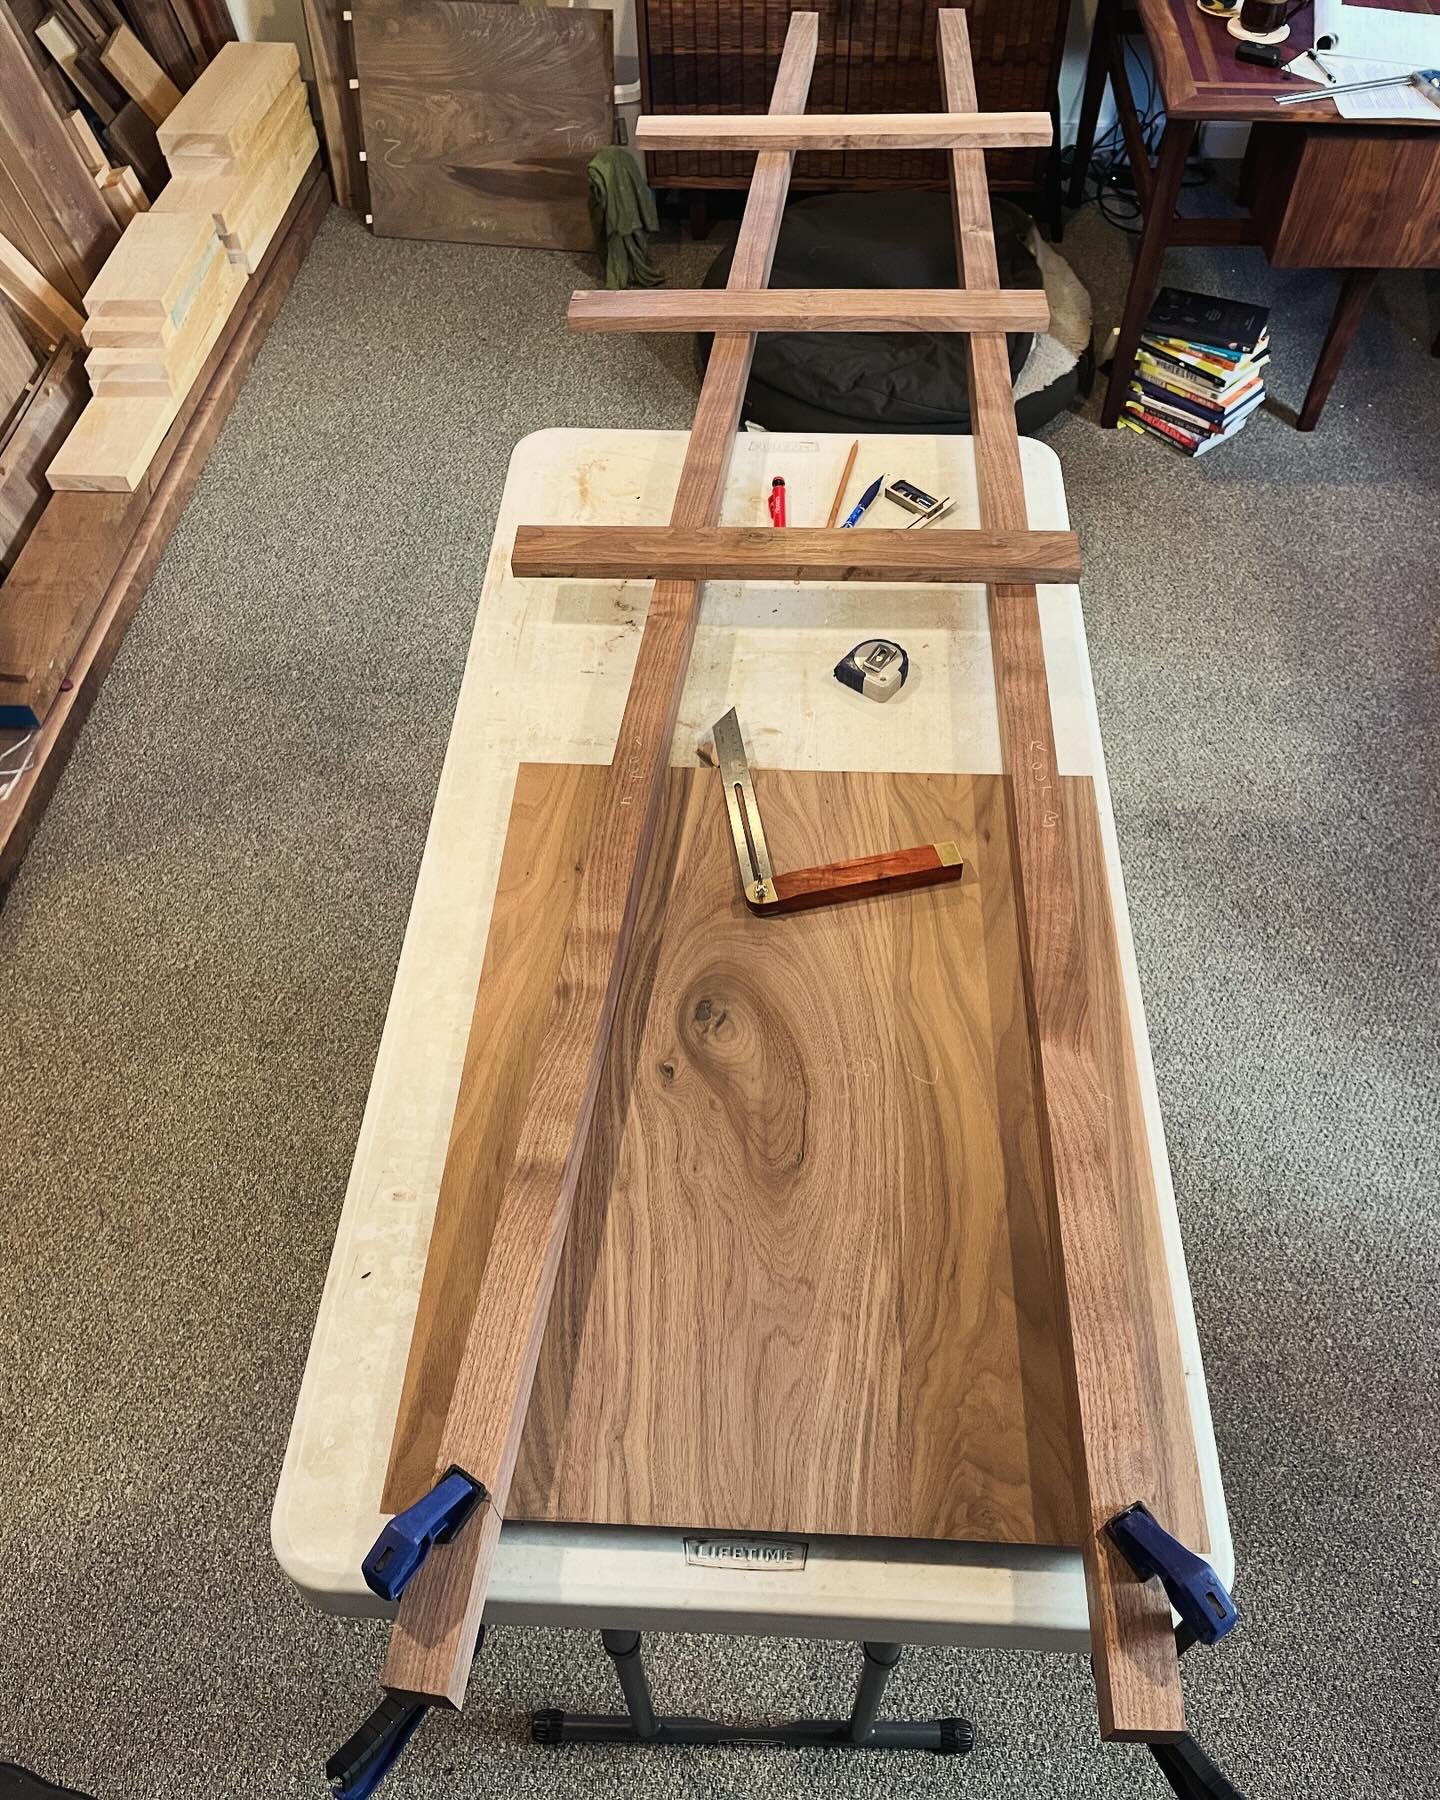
(1198,371)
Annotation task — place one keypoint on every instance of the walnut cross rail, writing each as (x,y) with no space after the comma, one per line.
(436,1556)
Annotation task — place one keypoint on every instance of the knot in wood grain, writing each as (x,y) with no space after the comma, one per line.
(736,1036)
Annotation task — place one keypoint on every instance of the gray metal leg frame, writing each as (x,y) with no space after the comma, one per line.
(861,1731)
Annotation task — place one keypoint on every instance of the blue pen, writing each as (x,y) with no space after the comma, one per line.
(865,502)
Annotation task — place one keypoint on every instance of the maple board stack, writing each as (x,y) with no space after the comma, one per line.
(237,146)
(1198,369)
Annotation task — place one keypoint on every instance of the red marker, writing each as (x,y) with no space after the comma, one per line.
(777,500)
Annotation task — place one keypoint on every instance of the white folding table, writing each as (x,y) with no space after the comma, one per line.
(546,679)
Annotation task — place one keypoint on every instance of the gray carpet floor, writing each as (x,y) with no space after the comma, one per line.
(195,964)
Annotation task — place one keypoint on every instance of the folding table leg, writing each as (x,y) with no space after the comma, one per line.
(639,1724)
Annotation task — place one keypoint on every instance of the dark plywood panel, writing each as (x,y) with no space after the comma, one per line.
(810,1244)
(479,120)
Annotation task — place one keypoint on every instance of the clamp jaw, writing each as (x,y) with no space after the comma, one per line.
(1195,1590)
(362,1762)
(407,1540)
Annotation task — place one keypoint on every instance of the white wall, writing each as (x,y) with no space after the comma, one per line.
(272,21)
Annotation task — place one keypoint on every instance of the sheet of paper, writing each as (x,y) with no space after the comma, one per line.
(1378,31)
(1401,101)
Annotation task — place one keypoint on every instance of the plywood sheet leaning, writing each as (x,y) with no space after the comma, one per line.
(30,441)
(480,120)
(884,1364)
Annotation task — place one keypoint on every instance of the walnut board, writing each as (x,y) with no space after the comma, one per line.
(479,120)
(807,1287)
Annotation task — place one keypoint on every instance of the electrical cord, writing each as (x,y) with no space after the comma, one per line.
(1109,182)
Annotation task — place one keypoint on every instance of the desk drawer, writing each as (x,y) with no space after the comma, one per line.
(1348,198)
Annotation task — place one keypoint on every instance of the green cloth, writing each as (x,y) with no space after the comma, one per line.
(622,213)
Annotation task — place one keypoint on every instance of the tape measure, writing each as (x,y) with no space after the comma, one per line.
(877,668)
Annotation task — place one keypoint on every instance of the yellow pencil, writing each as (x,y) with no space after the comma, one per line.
(844,482)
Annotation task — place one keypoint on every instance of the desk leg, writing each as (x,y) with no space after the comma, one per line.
(1095,73)
(1355,293)
(1159,214)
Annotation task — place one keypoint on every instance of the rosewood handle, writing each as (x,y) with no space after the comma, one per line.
(922,866)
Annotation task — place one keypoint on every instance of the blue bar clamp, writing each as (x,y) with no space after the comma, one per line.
(361,1763)
(1196,1591)
(406,1541)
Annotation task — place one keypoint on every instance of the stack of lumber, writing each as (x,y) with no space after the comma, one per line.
(238,145)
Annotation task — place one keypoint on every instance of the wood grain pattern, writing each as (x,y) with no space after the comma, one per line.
(798,553)
(332,55)
(842,131)
(79,548)
(859,877)
(1202,78)
(49,207)
(883,1364)
(433,1642)
(132,139)
(222,113)
(95,635)
(28,444)
(809,309)
(160,29)
(26,288)
(480,120)
(142,78)
(1354,199)
(1121,1356)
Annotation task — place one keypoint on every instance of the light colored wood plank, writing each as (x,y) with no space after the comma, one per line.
(49,313)
(248,198)
(433,1640)
(798,553)
(169,366)
(110,446)
(140,75)
(55,35)
(27,289)
(809,309)
(843,131)
(86,142)
(155,269)
(1121,1342)
(689,1330)
(220,115)
(123,194)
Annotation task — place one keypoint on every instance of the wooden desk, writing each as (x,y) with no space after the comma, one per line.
(1379,183)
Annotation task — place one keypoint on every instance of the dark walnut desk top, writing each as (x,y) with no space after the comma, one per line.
(1201,78)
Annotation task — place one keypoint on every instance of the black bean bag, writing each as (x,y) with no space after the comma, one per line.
(869,381)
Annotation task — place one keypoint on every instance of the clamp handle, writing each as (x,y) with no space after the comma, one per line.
(406,1540)
(1196,1591)
(364,1760)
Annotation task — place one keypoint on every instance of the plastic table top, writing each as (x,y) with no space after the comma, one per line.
(546,678)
